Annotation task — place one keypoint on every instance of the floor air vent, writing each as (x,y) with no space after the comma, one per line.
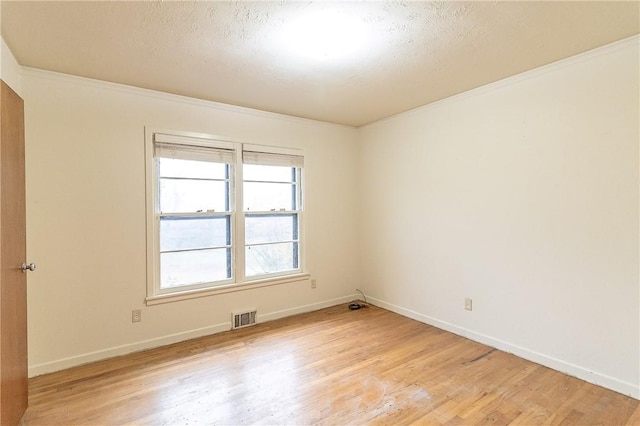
(243,319)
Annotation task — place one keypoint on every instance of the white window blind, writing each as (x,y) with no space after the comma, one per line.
(196,149)
(272,159)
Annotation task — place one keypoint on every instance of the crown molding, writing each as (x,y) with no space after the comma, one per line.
(29,72)
(633,41)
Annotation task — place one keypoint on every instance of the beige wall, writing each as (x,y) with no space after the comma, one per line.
(523,196)
(9,69)
(86,217)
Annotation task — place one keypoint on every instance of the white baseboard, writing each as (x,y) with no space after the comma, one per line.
(571,369)
(64,363)
(303,309)
(559,365)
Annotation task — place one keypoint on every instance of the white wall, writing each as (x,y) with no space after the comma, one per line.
(522,195)
(86,217)
(10,71)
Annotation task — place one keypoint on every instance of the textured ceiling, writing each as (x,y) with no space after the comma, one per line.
(235,52)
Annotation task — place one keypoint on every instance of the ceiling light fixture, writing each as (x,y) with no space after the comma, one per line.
(324,35)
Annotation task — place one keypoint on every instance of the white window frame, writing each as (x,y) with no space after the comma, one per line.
(238,281)
(292,158)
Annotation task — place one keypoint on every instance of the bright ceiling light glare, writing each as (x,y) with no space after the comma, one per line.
(325,35)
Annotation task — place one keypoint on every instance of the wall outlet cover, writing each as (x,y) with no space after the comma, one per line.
(468,304)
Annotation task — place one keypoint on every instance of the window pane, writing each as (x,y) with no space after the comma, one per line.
(270,258)
(260,196)
(268,173)
(270,228)
(172,167)
(186,196)
(194,267)
(180,233)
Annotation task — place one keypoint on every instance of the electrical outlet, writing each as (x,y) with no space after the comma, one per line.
(313,283)
(136,315)
(468,304)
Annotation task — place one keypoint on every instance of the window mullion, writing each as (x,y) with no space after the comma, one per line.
(239,219)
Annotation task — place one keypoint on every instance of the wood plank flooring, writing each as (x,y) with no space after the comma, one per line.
(330,367)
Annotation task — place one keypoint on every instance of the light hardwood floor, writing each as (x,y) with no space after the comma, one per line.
(332,367)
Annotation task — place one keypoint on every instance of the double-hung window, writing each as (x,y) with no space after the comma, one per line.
(221,214)
(272,206)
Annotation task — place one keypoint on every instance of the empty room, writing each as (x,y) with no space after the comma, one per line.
(293,213)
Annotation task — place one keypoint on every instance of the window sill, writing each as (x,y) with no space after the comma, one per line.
(228,288)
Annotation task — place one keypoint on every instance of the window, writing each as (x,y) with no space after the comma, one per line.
(221,214)
(271,213)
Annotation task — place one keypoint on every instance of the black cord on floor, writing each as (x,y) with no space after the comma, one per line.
(356,304)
